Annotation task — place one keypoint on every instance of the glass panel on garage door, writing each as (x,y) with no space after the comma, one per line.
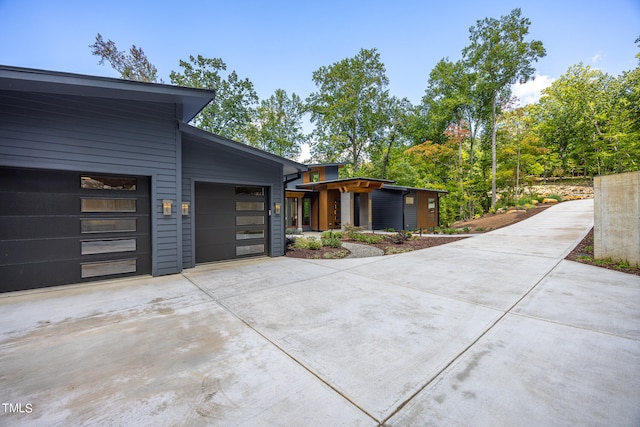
(230,221)
(59,227)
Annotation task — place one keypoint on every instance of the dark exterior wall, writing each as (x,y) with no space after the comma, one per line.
(48,131)
(387,209)
(410,212)
(208,163)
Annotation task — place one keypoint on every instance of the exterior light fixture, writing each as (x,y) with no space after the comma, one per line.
(166,207)
(185,208)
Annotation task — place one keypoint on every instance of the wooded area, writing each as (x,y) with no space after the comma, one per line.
(466,136)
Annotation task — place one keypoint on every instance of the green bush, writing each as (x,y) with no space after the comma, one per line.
(554,196)
(332,242)
(371,239)
(332,235)
(307,243)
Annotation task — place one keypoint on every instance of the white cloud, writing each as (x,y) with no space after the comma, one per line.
(596,58)
(529,93)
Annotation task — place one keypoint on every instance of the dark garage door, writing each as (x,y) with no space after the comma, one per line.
(231,221)
(67,227)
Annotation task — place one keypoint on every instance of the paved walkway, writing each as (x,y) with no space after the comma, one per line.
(493,330)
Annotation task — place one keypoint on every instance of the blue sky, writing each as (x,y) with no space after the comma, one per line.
(278,44)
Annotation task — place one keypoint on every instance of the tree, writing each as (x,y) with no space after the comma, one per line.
(350,108)
(132,66)
(278,125)
(232,110)
(589,118)
(500,57)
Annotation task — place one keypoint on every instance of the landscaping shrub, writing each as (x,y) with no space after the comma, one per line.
(307,243)
(332,242)
(371,239)
(332,234)
(399,238)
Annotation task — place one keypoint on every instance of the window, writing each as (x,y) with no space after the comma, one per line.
(108,205)
(250,220)
(107,183)
(104,268)
(306,212)
(249,206)
(249,234)
(291,211)
(432,203)
(249,250)
(409,200)
(89,247)
(314,176)
(249,191)
(107,225)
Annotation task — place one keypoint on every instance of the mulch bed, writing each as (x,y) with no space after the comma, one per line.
(388,247)
(584,253)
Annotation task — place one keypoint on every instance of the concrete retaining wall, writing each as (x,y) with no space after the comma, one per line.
(617,217)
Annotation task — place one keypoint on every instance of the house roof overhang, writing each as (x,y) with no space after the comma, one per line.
(289,167)
(404,188)
(20,79)
(355,185)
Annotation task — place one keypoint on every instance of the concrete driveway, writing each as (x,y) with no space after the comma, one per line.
(493,330)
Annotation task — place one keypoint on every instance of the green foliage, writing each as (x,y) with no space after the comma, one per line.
(232,110)
(370,239)
(278,125)
(307,243)
(332,242)
(332,234)
(350,108)
(132,66)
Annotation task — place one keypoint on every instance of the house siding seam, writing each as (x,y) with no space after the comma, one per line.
(74,133)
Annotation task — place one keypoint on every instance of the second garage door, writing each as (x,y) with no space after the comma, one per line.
(231,221)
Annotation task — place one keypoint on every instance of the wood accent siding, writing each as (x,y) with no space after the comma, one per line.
(84,134)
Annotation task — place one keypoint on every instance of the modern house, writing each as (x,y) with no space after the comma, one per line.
(320,200)
(103,178)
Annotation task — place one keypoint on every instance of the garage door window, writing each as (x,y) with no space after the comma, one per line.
(107,183)
(249,250)
(105,246)
(95,269)
(107,225)
(108,205)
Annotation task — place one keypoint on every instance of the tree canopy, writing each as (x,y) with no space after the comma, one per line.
(233,108)
(465,136)
(349,108)
(131,66)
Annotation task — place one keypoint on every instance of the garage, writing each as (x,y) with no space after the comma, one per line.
(60,227)
(231,221)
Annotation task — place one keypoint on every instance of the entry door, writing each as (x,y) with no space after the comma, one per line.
(231,221)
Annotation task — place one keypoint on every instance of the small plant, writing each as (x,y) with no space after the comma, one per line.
(332,235)
(554,196)
(588,248)
(348,228)
(307,243)
(392,250)
(371,239)
(390,229)
(480,228)
(332,242)
(466,229)
(399,238)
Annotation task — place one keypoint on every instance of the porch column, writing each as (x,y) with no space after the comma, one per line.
(366,221)
(346,208)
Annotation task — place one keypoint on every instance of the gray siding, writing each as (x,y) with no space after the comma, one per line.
(75,133)
(204,161)
(387,209)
